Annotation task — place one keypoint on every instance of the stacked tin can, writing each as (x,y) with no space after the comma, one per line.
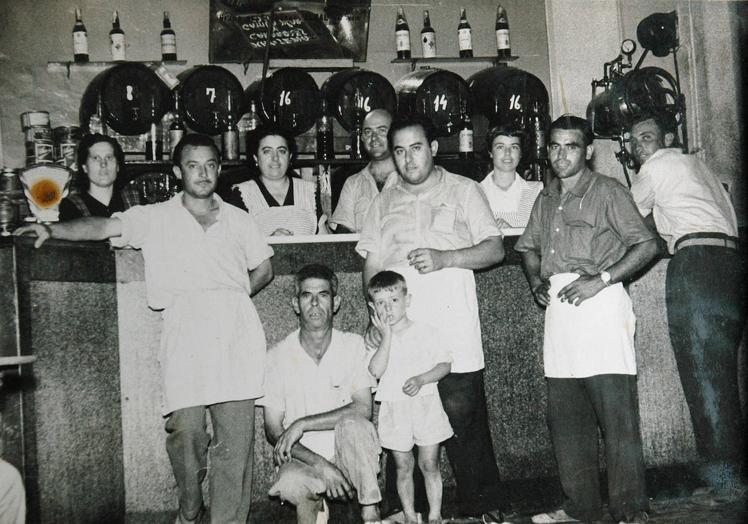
(38,136)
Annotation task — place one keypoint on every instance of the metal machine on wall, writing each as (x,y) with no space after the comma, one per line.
(627,94)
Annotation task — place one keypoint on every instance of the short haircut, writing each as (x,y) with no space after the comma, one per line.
(258,134)
(386,280)
(664,120)
(505,130)
(569,122)
(319,271)
(84,148)
(413,120)
(193,140)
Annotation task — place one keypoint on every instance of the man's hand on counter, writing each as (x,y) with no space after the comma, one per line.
(42,232)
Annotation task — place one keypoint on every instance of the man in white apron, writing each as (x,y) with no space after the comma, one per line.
(203,260)
(434,228)
(585,236)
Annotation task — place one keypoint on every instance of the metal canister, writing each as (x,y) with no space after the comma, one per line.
(34,119)
(66,140)
(38,137)
(9,181)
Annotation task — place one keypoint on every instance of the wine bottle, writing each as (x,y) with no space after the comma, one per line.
(503,45)
(80,39)
(176,129)
(154,145)
(325,147)
(465,36)
(117,39)
(357,150)
(402,35)
(428,37)
(248,124)
(168,41)
(539,153)
(466,133)
(230,135)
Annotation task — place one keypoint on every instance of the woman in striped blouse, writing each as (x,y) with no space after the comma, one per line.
(280,201)
(511,197)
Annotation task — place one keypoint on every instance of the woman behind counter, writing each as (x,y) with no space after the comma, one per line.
(280,202)
(510,196)
(100,157)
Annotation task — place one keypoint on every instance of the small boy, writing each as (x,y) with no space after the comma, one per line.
(409,361)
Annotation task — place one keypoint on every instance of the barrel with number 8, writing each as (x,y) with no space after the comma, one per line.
(130,95)
(207,95)
(505,95)
(357,90)
(436,94)
(289,99)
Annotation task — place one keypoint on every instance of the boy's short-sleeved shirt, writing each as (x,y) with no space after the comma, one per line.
(298,386)
(413,351)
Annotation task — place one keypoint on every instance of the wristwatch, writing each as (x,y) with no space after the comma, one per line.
(605,277)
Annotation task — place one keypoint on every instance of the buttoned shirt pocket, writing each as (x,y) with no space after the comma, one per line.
(443,218)
(580,234)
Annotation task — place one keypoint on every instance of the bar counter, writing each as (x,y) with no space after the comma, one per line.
(89,435)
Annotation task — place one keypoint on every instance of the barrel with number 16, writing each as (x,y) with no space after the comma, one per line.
(353,92)
(506,95)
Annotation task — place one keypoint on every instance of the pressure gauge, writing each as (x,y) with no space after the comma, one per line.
(628,47)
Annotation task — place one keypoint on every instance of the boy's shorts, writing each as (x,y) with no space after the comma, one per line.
(418,420)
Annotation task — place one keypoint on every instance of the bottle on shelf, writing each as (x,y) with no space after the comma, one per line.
(466,133)
(357,147)
(154,145)
(325,146)
(168,41)
(96,122)
(503,46)
(230,135)
(539,153)
(428,37)
(117,39)
(247,125)
(465,36)
(402,35)
(80,39)
(176,128)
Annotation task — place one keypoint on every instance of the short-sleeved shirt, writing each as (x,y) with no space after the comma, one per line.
(586,230)
(212,341)
(683,195)
(413,351)
(453,214)
(298,213)
(514,204)
(356,196)
(298,386)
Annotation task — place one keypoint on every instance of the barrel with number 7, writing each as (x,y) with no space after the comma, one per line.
(436,94)
(208,94)
(289,99)
(506,95)
(354,91)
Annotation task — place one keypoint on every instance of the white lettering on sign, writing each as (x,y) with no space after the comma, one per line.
(211,91)
(128,90)
(363,103)
(440,100)
(285,98)
(514,103)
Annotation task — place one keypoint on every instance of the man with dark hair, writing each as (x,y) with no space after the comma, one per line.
(318,407)
(435,227)
(704,290)
(360,189)
(584,238)
(203,260)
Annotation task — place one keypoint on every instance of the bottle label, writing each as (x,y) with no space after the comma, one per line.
(502,39)
(428,43)
(230,145)
(118,46)
(402,40)
(166,77)
(175,135)
(80,43)
(466,141)
(168,44)
(465,39)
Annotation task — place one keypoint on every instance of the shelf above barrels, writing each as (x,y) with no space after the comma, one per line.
(67,67)
(496,60)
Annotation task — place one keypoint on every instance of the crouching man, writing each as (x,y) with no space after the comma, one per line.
(318,406)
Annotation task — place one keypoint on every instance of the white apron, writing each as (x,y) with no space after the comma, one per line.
(593,338)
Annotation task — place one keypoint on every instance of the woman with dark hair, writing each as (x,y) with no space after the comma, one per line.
(101,158)
(510,196)
(280,201)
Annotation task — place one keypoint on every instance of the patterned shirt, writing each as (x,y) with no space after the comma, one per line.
(356,196)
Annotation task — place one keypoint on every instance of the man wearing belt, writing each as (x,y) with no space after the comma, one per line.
(360,189)
(585,236)
(434,227)
(704,289)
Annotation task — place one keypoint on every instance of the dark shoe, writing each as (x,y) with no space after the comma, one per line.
(492,517)
(553,517)
(639,517)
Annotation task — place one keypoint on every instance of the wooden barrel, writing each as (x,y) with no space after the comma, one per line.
(205,94)
(352,90)
(505,95)
(436,94)
(130,94)
(290,99)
